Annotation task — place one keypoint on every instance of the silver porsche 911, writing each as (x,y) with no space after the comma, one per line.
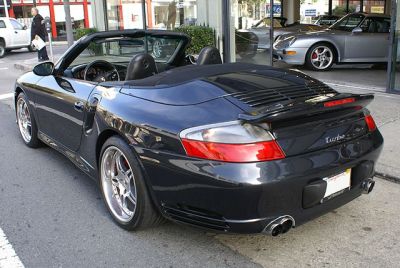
(356,38)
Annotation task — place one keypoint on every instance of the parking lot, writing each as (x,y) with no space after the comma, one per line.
(53,215)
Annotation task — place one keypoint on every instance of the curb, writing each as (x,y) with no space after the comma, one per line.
(387,177)
(376,89)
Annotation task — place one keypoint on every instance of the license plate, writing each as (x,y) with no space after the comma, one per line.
(337,183)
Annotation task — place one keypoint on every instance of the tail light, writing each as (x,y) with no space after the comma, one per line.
(370,122)
(339,102)
(231,142)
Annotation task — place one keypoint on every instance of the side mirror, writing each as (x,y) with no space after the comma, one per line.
(44,69)
(357,30)
(24,27)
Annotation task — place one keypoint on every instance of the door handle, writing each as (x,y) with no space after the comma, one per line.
(79,106)
(15,32)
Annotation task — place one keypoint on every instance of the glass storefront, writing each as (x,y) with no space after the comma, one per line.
(243,29)
(168,15)
(250,29)
(165,15)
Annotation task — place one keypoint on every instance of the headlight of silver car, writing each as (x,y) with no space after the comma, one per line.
(284,42)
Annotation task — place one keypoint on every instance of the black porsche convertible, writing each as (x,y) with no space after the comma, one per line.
(229,147)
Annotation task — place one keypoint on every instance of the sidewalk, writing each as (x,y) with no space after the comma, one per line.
(27,65)
(385,109)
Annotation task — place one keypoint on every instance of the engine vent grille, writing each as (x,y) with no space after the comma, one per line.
(272,95)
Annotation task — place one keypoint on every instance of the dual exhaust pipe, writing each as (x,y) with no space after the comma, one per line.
(283,224)
(280,225)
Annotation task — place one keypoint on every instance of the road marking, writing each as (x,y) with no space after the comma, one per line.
(6,96)
(8,257)
(4,68)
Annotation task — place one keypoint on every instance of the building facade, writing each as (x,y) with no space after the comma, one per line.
(81,13)
(226,17)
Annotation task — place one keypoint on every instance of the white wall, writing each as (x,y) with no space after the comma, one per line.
(98,13)
(209,12)
(75,10)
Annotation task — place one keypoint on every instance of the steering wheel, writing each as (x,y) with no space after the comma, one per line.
(107,73)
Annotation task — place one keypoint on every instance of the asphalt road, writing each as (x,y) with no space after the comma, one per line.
(53,216)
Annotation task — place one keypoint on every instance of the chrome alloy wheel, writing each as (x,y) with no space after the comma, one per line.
(157,50)
(24,120)
(2,51)
(118,184)
(321,57)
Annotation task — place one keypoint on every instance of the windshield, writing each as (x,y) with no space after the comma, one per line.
(348,23)
(122,49)
(266,22)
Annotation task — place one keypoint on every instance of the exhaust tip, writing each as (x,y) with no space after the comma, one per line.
(368,186)
(280,225)
(286,224)
(276,230)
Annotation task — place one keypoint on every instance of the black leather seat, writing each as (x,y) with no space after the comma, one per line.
(373,27)
(141,66)
(209,55)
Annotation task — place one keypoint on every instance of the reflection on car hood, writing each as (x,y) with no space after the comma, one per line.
(316,33)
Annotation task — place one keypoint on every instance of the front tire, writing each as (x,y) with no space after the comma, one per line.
(320,57)
(123,187)
(2,49)
(26,122)
(32,48)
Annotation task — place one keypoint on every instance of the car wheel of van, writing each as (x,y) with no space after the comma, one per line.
(26,122)
(320,57)
(123,187)
(32,48)
(2,49)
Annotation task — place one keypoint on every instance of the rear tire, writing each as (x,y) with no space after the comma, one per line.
(320,57)
(123,187)
(2,49)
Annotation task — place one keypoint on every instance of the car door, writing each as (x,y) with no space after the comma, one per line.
(60,106)
(370,45)
(18,33)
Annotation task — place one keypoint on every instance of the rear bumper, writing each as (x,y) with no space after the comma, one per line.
(245,198)
(297,59)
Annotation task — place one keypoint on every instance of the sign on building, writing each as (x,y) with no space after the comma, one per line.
(310,12)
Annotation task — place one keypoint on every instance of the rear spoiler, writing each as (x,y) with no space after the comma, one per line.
(307,107)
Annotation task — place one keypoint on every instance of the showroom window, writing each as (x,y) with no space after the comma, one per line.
(250,29)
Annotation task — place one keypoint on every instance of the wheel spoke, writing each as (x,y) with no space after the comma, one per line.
(124,205)
(131,198)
